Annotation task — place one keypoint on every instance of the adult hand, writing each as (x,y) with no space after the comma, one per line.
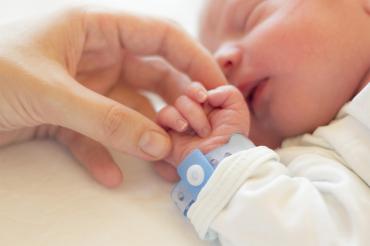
(57,73)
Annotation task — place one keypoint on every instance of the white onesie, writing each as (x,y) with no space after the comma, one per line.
(313,191)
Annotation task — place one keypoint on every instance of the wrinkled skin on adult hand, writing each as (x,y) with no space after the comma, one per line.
(73,76)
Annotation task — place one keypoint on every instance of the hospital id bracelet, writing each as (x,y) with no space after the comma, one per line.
(197,168)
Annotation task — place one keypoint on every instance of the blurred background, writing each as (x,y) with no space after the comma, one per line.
(184,12)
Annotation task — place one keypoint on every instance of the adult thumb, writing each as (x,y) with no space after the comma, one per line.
(110,123)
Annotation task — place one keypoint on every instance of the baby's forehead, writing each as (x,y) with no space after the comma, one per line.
(210,19)
(211,11)
(212,6)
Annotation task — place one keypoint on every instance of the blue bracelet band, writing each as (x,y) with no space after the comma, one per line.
(197,168)
(194,172)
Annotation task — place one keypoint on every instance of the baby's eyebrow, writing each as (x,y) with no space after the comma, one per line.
(232,14)
(219,16)
(236,12)
(225,16)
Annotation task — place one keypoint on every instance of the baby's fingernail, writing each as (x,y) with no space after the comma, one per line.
(181,125)
(201,96)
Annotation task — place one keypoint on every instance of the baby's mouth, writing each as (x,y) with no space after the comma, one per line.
(253,91)
(249,97)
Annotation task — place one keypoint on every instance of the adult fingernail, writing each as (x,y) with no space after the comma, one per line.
(154,144)
(181,125)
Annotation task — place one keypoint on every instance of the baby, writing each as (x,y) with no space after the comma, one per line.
(300,71)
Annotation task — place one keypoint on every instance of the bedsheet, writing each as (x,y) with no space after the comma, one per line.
(46,198)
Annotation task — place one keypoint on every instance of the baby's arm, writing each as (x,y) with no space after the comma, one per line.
(254,199)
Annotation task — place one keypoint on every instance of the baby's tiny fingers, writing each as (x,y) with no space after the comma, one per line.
(194,115)
(197,92)
(226,96)
(171,118)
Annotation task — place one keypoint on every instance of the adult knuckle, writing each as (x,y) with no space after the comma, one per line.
(172,25)
(163,69)
(113,120)
(72,13)
(170,29)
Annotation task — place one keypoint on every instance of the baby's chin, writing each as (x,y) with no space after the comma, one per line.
(264,137)
(272,143)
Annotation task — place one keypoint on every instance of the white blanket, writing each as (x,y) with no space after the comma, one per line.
(46,197)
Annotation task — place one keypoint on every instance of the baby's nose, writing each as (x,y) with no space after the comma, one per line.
(228,58)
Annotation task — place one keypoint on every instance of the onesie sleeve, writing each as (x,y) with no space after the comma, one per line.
(254,199)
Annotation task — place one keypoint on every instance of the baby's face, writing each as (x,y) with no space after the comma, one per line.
(297,62)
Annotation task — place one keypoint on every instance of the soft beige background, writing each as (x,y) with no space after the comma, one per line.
(46,198)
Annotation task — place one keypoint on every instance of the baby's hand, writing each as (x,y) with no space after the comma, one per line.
(204,120)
